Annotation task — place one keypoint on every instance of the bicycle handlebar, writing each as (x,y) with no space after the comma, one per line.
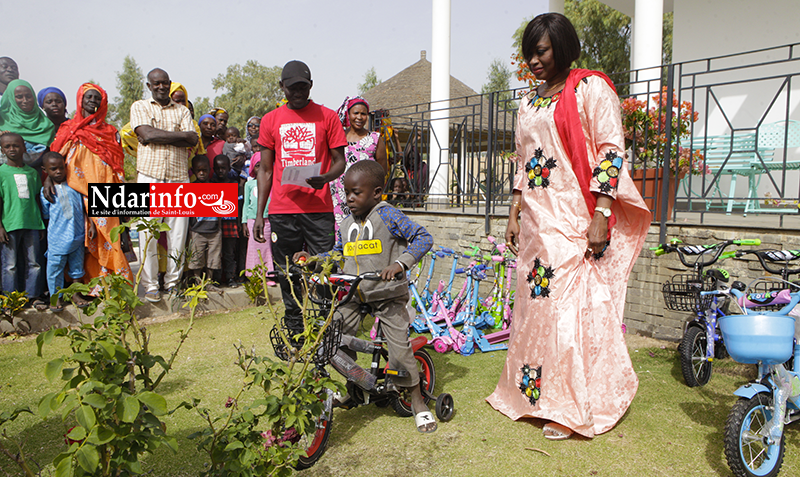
(338,280)
(774,256)
(703,252)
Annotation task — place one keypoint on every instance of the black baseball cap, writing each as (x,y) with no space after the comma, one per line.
(295,72)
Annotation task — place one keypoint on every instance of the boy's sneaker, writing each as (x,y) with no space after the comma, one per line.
(153,296)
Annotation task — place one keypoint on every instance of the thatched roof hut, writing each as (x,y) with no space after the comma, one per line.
(412,86)
(407,96)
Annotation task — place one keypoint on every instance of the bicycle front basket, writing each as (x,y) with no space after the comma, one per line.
(682,292)
(326,348)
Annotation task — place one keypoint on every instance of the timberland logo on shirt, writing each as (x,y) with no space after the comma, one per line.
(163,200)
(362,247)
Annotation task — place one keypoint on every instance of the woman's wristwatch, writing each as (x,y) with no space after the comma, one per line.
(606,211)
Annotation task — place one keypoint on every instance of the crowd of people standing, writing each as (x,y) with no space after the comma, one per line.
(170,143)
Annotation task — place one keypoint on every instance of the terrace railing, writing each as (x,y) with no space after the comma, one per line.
(747,131)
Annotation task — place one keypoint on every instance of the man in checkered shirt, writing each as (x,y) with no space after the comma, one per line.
(166,133)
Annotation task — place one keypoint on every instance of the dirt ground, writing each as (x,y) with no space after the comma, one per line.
(636,341)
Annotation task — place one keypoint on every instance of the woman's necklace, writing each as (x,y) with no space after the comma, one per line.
(550,90)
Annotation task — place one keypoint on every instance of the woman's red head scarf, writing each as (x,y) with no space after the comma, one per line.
(92,131)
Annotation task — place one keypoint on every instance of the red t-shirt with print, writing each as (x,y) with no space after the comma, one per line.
(300,137)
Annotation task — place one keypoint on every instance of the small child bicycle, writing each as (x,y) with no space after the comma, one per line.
(372,386)
(701,341)
(754,438)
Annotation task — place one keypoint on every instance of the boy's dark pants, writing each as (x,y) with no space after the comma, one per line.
(394,323)
(229,252)
(291,232)
(22,262)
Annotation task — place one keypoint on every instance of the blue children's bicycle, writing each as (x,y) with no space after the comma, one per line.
(754,438)
(701,342)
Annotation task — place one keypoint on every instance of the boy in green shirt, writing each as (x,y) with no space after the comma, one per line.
(21,225)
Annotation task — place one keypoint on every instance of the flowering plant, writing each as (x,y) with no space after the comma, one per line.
(646,133)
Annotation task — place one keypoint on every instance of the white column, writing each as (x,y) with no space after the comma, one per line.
(557,6)
(646,46)
(440,98)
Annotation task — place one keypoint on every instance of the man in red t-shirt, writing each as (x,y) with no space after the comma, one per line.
(300,134)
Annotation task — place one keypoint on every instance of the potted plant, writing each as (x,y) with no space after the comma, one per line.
(645,138)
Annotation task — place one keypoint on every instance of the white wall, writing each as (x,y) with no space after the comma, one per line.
(705,28)
(710,28)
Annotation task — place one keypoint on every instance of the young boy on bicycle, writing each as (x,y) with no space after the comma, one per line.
(377,236)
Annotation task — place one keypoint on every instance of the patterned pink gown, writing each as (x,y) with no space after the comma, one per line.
(567,361)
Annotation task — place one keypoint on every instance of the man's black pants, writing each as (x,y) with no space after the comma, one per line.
(290,232)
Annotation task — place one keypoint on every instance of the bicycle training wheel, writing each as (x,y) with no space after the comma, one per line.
(746,448)
(694,365)
(427,379)
(316,442)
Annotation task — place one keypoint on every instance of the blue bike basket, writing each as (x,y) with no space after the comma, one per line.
(753,338)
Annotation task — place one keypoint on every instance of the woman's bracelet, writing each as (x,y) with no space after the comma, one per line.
(515,204)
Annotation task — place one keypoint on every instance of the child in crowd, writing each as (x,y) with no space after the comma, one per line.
(238,156)
(401,244)
(66,228)
(399,192)
(230,225)
(205,233)
(239,171)
(21,225)
(232,135)
(257,253)
(234,138)
(255,145)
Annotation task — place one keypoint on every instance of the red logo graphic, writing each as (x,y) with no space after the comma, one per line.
(193,200)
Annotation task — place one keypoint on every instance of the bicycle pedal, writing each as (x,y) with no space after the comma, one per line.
(390,386)
(402,373)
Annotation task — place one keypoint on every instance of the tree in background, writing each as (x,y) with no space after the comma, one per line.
(666,35)
(497,79)
(523,73)
(370,81)
(130,85)
(202,105)
(250,90)
(605,36)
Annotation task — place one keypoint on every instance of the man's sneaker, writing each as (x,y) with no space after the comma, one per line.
(153,296)
(214,289)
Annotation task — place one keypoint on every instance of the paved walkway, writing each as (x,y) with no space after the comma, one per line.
(231,299)
(236,298)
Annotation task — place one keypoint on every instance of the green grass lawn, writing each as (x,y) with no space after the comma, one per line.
(669,430)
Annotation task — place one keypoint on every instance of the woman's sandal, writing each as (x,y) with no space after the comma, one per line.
(80,301)
(424,419)
(556,432)
(58,307)
(40,305)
